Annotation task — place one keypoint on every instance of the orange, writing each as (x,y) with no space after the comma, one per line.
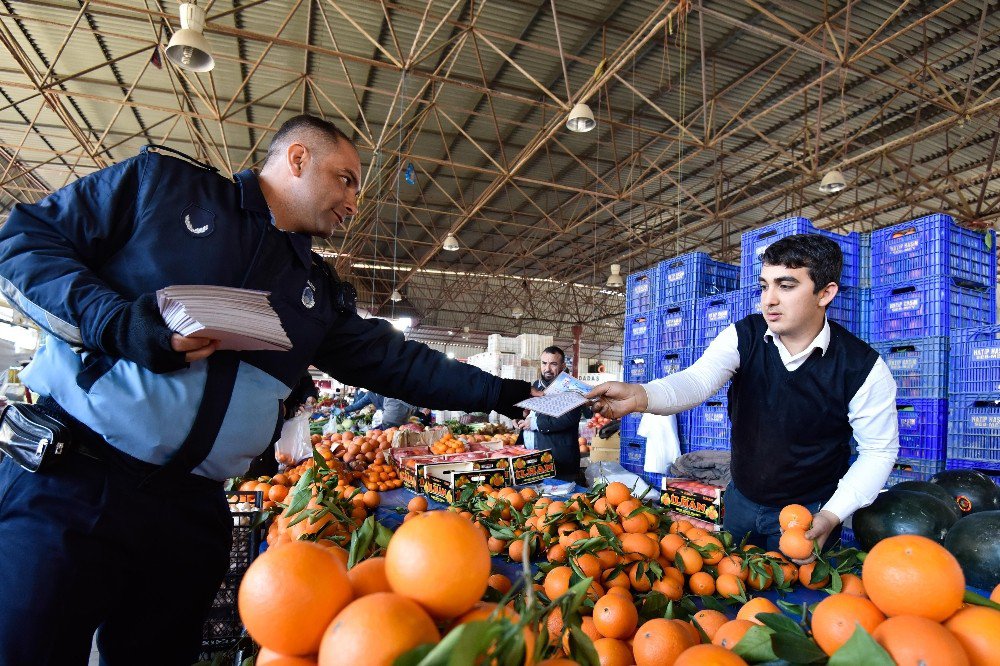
(794,543)
(639,582)
(731,633)
(558,661)
(670,544)
(708,655)
(589,565)
(556,553)
(659,642)
(316,586)
(995,594)
(795,515)
(671,588)
(628,506)
(753,607)
(805,575)
(500,583)
(613,652)
(270,658)
(277,493)
(702,583)
(913,575)
(691,558)
(621,591)
(375,630)
(368,577)
(977,628)
(714,552)
(729,585)
(692,632)
(439,560)
(557,582)
(680,526)
(615,616)
(416,504)
(914,641)
(836,617)
(851,584)
(636,524)
(710,621)
(639,543)
(616,493)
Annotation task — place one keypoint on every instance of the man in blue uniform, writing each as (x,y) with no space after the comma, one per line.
(130,535)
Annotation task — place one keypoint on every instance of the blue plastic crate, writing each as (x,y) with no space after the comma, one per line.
(865,260)
(865,314)
(847,539)
(675,325)
(668,361)
(633,452)
(754,242)
(975,361)
(844,309)
(923,428)
(629,426)
(638,369)
(640,333)
(694,275)
(974,429)
(919,366)
(713,314)
(933,246)
(932,306)
(913,470)
(653,479)
(640,291)
(990,469)
(710,426)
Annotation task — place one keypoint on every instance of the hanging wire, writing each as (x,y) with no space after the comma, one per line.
(399,177)
(375,223)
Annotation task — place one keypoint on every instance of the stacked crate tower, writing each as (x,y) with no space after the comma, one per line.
(931,282)
(663,338)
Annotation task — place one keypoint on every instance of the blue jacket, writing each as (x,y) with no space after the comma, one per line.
(73,260)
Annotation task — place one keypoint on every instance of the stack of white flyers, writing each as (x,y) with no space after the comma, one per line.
(240,319)
(563,394)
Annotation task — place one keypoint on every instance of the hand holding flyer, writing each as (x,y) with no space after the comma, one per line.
(563,394)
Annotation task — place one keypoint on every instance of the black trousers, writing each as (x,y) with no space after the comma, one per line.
(88,547)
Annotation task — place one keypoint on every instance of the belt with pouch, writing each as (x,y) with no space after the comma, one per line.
(33,438)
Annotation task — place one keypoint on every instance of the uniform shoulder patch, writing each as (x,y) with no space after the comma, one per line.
(198,221)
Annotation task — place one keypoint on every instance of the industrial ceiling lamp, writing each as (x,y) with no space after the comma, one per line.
(581,119)
(395,296)
(832,182)
(516,312)
(615,280)
(188,48)
(450,243)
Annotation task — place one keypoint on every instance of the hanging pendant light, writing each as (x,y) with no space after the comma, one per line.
(581,119)
(395,296)
(832,182)
(188,48)
(450,243)
(615,280)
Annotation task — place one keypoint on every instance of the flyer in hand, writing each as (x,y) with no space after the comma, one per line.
(562,395)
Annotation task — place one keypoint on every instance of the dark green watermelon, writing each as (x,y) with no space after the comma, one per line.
(974,491)
(929,488)
(975,543)
(902,512)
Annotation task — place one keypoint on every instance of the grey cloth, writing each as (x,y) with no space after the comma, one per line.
(395,412)
(706,466)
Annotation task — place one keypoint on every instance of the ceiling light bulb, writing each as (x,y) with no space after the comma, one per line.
(516,312)
(832,182)
(395,296)
(615,279)
(450,243)
(581,119)
(188,48)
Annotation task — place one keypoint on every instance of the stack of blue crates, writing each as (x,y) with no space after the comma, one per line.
(930,278)
(663,331)
(846,306)
(974,422)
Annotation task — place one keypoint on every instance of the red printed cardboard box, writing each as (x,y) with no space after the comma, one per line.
(693,499)
(444,482)
(526,465)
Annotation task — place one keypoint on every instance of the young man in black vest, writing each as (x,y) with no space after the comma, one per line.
(802,386)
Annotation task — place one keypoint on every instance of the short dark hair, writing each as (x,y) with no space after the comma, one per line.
(819,254)
(299,125)
(555,350)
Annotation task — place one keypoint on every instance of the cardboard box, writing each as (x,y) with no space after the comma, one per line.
(605,450)
(412,469)
(707,526)
(526,466)
(408,438)
(693,499)
(444,482)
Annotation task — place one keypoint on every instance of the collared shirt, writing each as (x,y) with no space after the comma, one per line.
(871,412)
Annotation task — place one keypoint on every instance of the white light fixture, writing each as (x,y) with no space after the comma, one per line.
(832,182)
(615,279)
(188,48)
(581,119)
(516,312)
(450,243)
(395,296)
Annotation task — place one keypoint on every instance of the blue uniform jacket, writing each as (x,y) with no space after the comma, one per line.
(73,260)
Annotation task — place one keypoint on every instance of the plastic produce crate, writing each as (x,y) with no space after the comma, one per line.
(913,470)
(990,469)
(640,333)
(865,314)
(933,246)
(919,366)
(932,306)
(710,426)
(975,361)
(633,452)
(713,314)
(923,428)
(754,242)
(694,275)
(640,291)
(974,429)
(668,361)
(638,369)
(629,426)
(675,325)
(653,479)
(865,260)
(847,539)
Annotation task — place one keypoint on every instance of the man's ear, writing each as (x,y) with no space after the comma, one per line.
(827,293)
(296,157)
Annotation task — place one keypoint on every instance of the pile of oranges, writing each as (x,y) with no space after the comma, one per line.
(448,444)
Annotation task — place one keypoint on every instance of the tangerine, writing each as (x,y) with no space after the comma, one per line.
(805,577)
(659,642)
(708,655)
(368,577)
(615,616)
(755,606)
(613,652)
(914,641)
(702,583)
(710,621)
(794,543)
(271,658)
(795,515)
(731,633)
(900,566)
(616,493)
(375,630)
(835,619)
(977,628)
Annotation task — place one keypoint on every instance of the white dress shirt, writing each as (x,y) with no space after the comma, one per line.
(871,412)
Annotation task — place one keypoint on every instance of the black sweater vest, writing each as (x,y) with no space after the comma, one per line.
(791,436)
